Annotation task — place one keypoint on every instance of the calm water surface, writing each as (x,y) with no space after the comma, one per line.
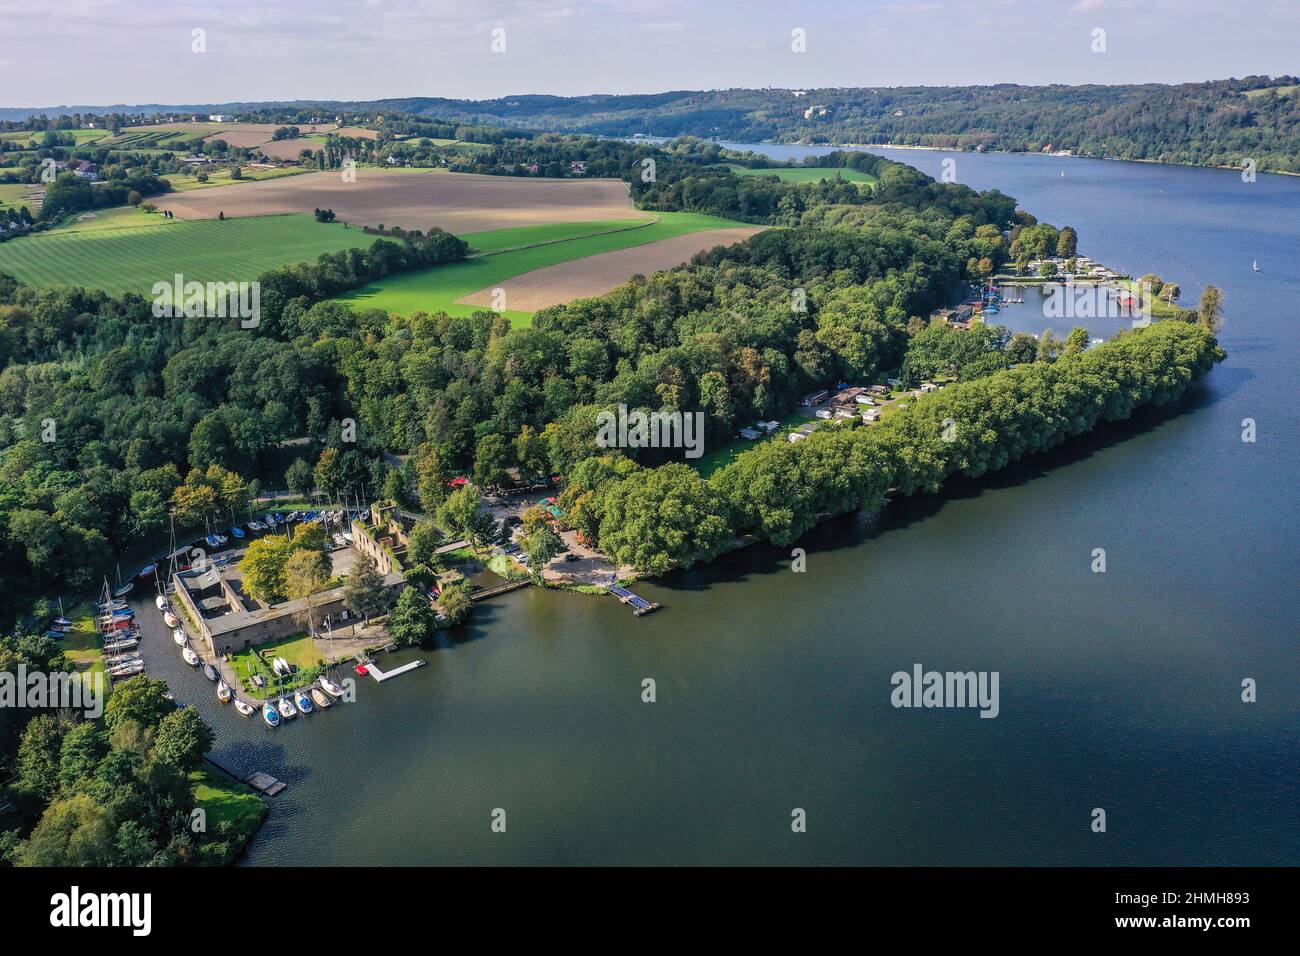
(1118,690)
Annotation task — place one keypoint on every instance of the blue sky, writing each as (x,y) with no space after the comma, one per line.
(110,51)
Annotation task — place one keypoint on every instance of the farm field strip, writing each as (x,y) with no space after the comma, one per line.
(439,289)
(601,273)
(806,174)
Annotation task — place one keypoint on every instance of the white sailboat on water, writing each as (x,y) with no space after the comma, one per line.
(1255,265)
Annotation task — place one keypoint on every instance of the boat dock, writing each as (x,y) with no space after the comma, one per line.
(264,783)
(640,606)
(373,670)
(509,586)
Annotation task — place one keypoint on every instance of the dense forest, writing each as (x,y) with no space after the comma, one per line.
(111,419)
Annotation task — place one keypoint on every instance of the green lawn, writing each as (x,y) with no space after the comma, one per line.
(120,260)
(437,289)
(12,195)
(225,800)
(716,459)
(188,182)
(806,174)
(300,650)
(81,646)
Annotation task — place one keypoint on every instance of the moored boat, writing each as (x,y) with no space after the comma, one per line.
(286,708)
(331,688)
(211,673)
(244,707)
(178,635)
(124,590)
(171,620)
(270,715)
(146,571)
(190,657)
(321,698)
(161,602)
(303,702)
(237,531)
(223,692)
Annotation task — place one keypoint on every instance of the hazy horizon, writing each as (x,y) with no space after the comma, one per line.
(110,52)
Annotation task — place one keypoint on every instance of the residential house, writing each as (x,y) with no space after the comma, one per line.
(814,398)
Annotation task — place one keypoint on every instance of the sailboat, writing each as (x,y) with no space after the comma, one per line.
(303,702)
(223,692)
(244,707)
(190,657)
(178,635)
(171,619)
(1255,265)
(161,602)
(270,715)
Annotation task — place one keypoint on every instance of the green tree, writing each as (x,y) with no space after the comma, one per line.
(364,591)
(661,518)
(541,546)
(77,831)
(455,602)
(413,620)
(1209,313)
(493,457)
(431,479)
(183,738)
(141,700)
(300,478)
(263,568)
(306,571)
(422,544)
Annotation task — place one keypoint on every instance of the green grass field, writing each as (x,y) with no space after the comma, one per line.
(224,800)
(124,254)
(188,182)
(12,196)
(437,289)
(803,174)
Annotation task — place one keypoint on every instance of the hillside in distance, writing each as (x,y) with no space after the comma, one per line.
(1214,123)
(1217,123)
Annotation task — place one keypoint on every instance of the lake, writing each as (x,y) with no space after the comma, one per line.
(1119,691)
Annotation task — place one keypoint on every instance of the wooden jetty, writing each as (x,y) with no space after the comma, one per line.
(502,589)
(264,783)
(260,781)
(640,606)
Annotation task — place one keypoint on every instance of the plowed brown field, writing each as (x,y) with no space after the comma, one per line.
(457,202)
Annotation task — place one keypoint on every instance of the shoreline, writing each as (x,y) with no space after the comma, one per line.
(1022,152)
